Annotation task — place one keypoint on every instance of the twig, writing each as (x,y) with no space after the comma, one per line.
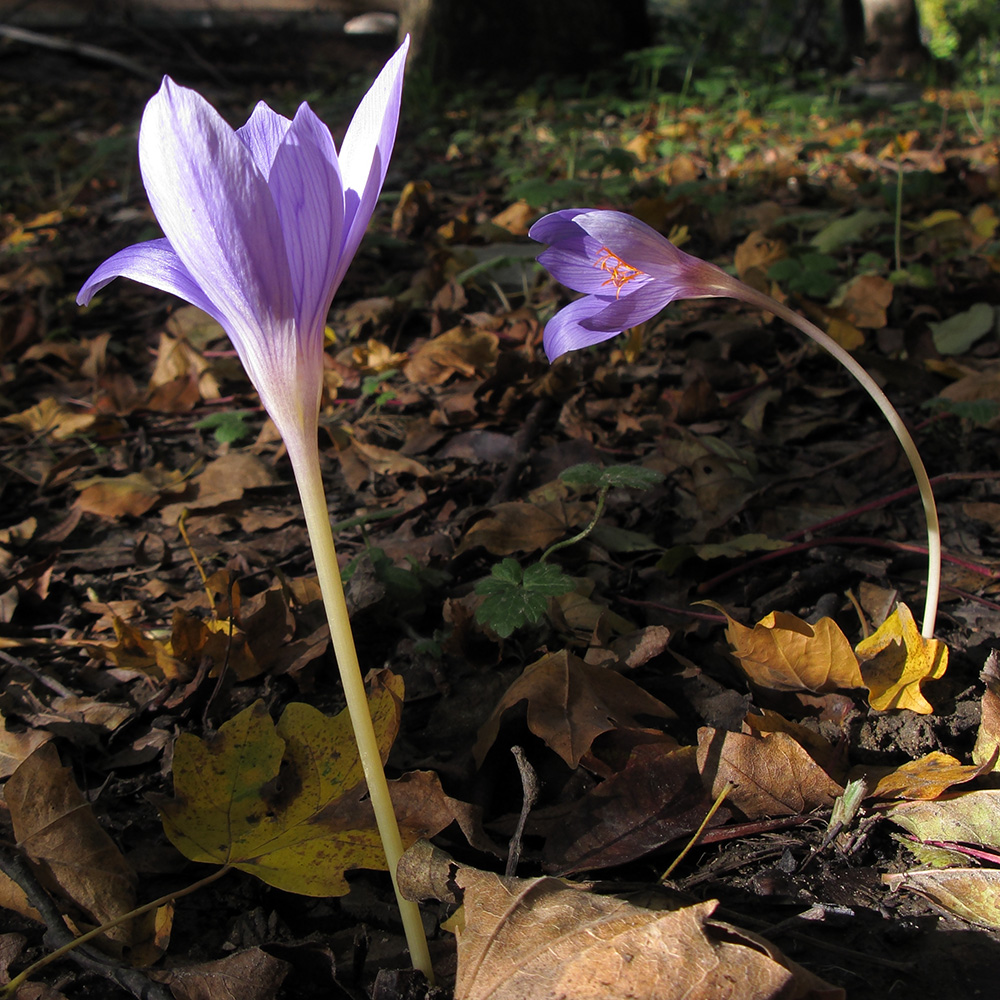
(529,782)
(82,49)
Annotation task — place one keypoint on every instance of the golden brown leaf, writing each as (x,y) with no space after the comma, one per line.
(784,653)
(925,778)
(541,939)
(896,660)
(459,351)
(771,775)
(970,893)
(988,737)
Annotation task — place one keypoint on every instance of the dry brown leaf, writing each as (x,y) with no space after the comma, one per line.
(247,975)
(658,797)
(182,377)
(822,751)
(459,351)
(784,653)
(17,747)
(896,660)
(520,526)
(361,462)
(541,939)
(55,826)
(988,737)
(570,703)
(771,775)
(866,299)
(53,418)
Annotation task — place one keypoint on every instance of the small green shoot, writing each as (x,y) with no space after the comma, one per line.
(227,426)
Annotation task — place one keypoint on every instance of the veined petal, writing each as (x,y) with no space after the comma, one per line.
(365,152)
(216,210)
(565,332)
(615,315)
(154,264)
(556,226)
(262,135)
(581,263)
(305,183)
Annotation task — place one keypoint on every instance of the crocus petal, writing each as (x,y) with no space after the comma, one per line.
(615,315)
(581,263)
(565,331)
(365,152)
(215,208)
(154,264)
(262,135)
(557,226)
(305,183)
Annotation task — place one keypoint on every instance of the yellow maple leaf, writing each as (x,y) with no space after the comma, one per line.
(264,798)
(896,660)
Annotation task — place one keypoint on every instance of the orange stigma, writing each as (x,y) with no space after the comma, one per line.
(621,273)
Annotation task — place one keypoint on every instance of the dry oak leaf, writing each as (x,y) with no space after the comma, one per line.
(928,777)
(541,939)
(247,975)
(785,653)
(896,660)
(771,775)
(56,828)
(264,798)
(15,748)
(361,462)
(570,703)
(52,417)
(970,893)
(135,493)
(988,737)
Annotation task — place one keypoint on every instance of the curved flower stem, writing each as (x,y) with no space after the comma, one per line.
(308,477)
(768,304)
(580,535)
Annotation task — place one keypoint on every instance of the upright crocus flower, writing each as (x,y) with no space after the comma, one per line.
(629,272)
(259,226)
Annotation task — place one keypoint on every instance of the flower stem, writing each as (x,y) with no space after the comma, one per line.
(768,304)
(308,477)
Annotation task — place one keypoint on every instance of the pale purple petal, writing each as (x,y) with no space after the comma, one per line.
(615,315)
(581,263)
(557,226)
(216,210)
(154,264)
(565,332)
(305,183)
(262,135)
(365,152)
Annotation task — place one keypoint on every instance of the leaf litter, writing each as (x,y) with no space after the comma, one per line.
(156,593)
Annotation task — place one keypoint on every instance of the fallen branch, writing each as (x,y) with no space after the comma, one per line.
(82,49)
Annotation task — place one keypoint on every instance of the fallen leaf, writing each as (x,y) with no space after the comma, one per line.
(459,351)
(545,940)
(519,526)
(896,660)
(50,417)
(361,462)
(928,777)
(988,736)
(132,494)
(970,893)
(771,775)
(56,828)
(15,748)
(658,797)
(784,653)
(966,817)
(865,301)
(263,798)
(570,703)
(249,975)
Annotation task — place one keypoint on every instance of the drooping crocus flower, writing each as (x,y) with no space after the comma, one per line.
(259,226)
(629,272)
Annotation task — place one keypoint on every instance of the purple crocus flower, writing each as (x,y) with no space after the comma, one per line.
(628,270)
(260,225)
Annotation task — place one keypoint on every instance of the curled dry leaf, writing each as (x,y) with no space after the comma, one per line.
(250,975)
(785,653)
(541,939)
(771,775)
(56,828)
(988,737)
(925,778)
(570,703)
(17,747)
(896,660)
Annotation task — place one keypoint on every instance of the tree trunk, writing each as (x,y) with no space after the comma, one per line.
(520,39)
(886,36)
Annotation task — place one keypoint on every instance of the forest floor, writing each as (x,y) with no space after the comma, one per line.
(156,578)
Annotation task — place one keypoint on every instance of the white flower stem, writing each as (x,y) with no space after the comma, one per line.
(768,304)
(308,477)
